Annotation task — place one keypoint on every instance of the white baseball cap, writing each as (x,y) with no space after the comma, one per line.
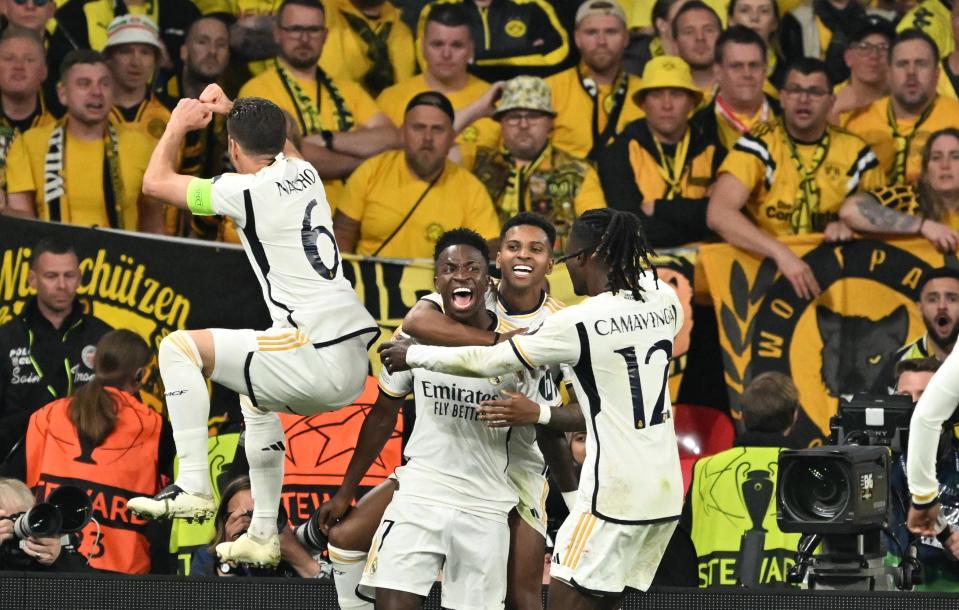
(131,29)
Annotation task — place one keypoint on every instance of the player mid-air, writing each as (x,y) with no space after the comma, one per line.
(312,359)
(618,343)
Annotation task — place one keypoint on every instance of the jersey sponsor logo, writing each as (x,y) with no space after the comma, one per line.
(21,369)
(635,322)
(455,393)
(303,181)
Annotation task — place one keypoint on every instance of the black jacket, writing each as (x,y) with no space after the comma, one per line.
(29,343)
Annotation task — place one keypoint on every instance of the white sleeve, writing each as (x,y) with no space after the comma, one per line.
(540,387)
(551,343)
(935,406)
(229,197)
(398,384)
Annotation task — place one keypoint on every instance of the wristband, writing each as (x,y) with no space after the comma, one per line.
(545,414)
(569,497)
(496,336)
(327,136)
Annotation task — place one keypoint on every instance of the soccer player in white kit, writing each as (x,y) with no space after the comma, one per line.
(520,301)
(313,358)
(618,343)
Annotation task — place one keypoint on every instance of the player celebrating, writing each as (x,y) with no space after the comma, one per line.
(314,358)
(618,344)
(520,301)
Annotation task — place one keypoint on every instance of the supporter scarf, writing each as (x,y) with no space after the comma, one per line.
(512,200)
(9,130)
(730,117)
(672,169)
(807,195)
(54,175)
(902,141)
(307,112)
(612,108)
(381,74)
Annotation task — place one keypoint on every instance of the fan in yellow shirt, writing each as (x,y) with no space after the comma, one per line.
(368,43)
(398,203)
(341,124)
(930,208)
(594,100)
(447,47)
(897,126)
(791,176)
(83,170)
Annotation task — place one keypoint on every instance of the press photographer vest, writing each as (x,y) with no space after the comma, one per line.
(722,487)
(124,465)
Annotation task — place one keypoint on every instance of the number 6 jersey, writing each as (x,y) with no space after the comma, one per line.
(619,350)
(285,227)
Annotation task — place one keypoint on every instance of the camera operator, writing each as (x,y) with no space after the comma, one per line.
(937,556)
(31,554)
(232,519)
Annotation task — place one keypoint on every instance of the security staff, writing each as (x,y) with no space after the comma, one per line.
(731,497)
(48,350)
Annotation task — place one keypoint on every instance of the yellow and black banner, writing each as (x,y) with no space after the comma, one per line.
(833,346)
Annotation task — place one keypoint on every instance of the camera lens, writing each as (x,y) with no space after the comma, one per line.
(42,520)
(816,491)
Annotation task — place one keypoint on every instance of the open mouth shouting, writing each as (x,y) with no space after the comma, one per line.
(462,298)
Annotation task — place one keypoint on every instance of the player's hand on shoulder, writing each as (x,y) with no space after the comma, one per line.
(393,354)
(510,334)
(514,409)
(216,100)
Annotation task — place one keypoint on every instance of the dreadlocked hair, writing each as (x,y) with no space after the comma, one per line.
(617,238)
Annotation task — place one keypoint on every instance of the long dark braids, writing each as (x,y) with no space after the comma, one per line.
(618,238)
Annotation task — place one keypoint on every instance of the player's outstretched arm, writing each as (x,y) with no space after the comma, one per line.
(427,324)
(375,432)
(499,359)
(161,180)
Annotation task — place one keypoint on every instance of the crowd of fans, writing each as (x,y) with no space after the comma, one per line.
(743,121)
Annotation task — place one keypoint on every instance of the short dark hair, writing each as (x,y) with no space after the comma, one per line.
(913,34)
(461,237)
(532,220)
(258,126)
(770,402)
(450,15)
(13,32)
(739,34)
(304,3)
(692,5)
(80,57)
(53,245)
(434,99)
(808,66)
(936,273)
(916,365)
(661,10)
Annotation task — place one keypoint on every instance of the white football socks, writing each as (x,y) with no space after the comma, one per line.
(347,571)
(188,404)
(265,451)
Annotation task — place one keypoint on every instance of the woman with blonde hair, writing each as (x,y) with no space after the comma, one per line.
(105,441)
(929,208)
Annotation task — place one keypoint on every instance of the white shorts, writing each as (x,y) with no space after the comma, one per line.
(414,542)
(280,370)
(532,489)
(602,558)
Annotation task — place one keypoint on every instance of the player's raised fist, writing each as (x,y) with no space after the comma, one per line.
(190,115)
(216,100)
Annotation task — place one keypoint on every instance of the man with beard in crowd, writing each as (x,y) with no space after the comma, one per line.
(939,307)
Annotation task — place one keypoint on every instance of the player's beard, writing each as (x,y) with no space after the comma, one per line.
(301,63)
(944,343)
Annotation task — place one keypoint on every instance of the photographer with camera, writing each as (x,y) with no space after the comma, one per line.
(232,519)
(30,553)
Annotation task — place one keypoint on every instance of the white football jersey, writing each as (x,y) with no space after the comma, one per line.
(454,459)
(285,226)
(619,350)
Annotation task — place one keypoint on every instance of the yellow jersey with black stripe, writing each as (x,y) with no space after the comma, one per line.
(933,17)
(762,161)
(347,54)
(872,125)
(575,104)
(484,132)
(149,116)
(11,128)
(357,102)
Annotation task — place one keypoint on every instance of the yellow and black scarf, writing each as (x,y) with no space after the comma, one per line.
(308,113)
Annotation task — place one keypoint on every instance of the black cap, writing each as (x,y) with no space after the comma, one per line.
(431,98)
(874,24)
(937,273)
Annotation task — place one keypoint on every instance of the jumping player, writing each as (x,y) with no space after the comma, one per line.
(312,359)
(618,343)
